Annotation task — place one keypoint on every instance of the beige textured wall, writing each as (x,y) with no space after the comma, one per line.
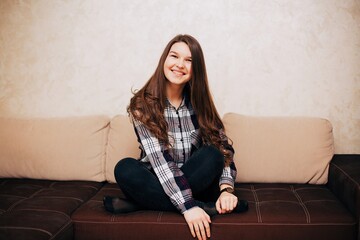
(282,58)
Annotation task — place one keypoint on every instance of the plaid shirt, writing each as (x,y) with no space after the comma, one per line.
(185,139)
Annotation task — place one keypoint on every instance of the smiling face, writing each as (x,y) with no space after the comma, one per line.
(177,66)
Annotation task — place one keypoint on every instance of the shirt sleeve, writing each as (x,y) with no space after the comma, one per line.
(229,172)
(169,174)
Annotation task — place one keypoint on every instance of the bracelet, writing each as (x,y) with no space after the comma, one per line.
(227,189)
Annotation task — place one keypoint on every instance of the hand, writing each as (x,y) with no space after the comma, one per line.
(198,222)
(226,203)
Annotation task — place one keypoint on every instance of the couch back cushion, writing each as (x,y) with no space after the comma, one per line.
(122,143)
(280,149)
(71,148)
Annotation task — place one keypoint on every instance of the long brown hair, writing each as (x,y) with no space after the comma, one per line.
(148,104)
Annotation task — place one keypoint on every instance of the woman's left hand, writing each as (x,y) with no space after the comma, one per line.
(226,203)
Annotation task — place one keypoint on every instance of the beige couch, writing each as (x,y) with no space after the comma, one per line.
(285,158)
(87,148)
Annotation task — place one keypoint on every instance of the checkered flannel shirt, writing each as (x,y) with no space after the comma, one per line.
(185,139)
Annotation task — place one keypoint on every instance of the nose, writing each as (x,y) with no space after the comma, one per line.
(180,63)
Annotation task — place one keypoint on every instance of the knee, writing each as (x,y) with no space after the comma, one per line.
(122,169)
(216,157)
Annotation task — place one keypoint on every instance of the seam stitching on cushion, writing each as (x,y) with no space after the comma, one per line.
(16,203)
(41,210)
(11,195)
(32,184)
(273,188)
(217,223)
(311,188)
(27,228)
(353,180)
(61,229)
(37,192)
(242,189)
(74,198)
(289,224)
(284,201)
(257,204)
(321,200)
(307,214)
(106,223)
(82,186)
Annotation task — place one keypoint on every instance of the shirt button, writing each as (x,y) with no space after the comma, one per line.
(181,139)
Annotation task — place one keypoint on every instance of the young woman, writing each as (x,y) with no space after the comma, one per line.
(186,161)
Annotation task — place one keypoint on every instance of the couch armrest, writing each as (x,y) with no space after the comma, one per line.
(344,182)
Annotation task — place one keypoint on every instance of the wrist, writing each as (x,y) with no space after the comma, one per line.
(227,189)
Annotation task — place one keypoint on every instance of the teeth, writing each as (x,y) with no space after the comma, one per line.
(177,72)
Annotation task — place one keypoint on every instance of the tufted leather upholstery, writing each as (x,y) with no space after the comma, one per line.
(37,209)
(276,211)
(282,211)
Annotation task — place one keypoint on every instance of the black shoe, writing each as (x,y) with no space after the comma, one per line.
(242,206)
(210,208)
(119,205)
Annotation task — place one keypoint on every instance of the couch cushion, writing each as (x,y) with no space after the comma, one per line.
(39,209)
(70,148)
(122,143)
(281,149)
(276,211)
(92,220)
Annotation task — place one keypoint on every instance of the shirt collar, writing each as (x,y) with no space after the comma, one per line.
(185,101)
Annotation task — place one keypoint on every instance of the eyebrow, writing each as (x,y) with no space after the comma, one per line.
(188,57)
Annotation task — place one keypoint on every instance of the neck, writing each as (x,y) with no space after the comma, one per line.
(174,93)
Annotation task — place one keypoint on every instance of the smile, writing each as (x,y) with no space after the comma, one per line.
(179,73)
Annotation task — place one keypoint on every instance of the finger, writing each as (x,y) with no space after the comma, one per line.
(207,228)
(191,226)
(197,231)
(235,203)
(231,205)
(228,203)
(226,206)
(208,219)
(218,207)
(223,206)
(202,231)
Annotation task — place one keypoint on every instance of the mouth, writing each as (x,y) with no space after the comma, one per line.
(177,72)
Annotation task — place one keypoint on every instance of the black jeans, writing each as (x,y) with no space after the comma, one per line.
(202,170)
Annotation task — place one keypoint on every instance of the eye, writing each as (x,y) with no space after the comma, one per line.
(173,56)
(188,60)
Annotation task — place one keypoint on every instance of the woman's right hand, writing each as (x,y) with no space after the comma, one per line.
(199,222)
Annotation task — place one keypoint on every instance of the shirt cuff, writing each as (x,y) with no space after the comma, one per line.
(186,206)
(227,180)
